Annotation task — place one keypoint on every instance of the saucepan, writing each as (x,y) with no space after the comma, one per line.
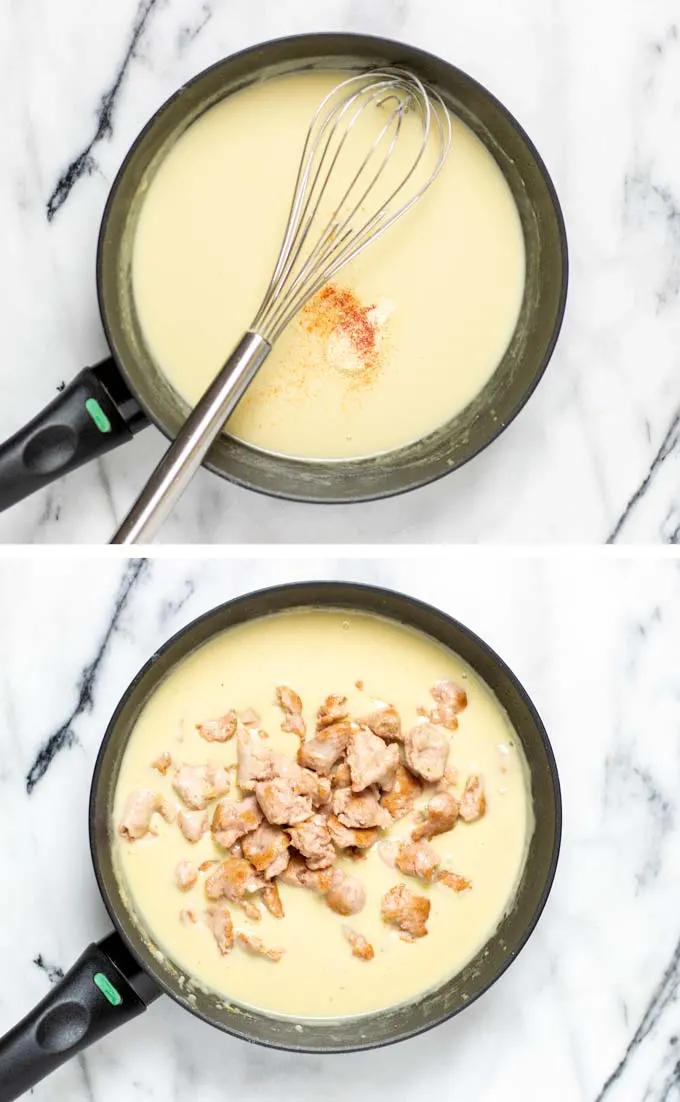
(116,979)
(107,404)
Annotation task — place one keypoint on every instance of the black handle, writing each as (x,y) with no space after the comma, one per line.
(92,415)
(105,988)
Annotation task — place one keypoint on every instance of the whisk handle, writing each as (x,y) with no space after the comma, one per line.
(187,451)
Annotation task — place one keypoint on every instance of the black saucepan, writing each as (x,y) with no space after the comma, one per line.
(116,979)
(106,404)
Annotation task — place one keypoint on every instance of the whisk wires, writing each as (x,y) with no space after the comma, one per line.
(316,245)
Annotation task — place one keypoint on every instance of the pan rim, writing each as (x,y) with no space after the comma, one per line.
(336,588)
(416,481)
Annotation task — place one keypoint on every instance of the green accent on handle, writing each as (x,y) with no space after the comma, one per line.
(107,989)
(97,414)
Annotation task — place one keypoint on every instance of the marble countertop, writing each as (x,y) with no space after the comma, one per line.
(588,1013)
(594,456)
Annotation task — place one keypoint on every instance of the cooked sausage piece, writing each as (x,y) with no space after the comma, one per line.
(341,776)
(407,788)
(255,762)
(418,859)
(450,700)
(449,780)
(473,800)
(349,838)
(313,839)
(167,810)
(267,850)
(371,761)
(139,807)
(453,881)
(162,763)
(320,789)
(291,705)
(232,879)
(281,803)
(361,948)
(294,871)
(386,723)
(218,920)
(197,785)
(186,875)
(439,816)
(272,899)
(329,744)
(193,824)
(219,730)
(346,895)
(298,875)
(426,750)
(305,782)
(256,945)
(231,820)
(359,809)
(333,709)
(409,912)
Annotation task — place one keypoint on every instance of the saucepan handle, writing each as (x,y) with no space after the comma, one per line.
(178,466)
(104,989)
(92,415)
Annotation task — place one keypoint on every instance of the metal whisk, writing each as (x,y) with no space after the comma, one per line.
(325,232)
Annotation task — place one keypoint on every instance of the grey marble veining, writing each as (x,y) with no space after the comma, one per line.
(588,1013)
(593,457)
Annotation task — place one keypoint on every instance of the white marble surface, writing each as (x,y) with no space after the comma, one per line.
(597,86)
(589,1011)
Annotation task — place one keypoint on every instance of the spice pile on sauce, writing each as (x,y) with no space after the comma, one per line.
(351,332)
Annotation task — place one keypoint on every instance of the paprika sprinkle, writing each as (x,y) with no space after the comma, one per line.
(352,332)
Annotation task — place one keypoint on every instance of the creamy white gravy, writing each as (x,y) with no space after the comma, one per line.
(445,284)
(318,652)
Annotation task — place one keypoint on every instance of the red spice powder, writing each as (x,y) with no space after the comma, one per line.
(335,309)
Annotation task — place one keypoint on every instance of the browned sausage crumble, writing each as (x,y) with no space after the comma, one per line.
(351,780)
